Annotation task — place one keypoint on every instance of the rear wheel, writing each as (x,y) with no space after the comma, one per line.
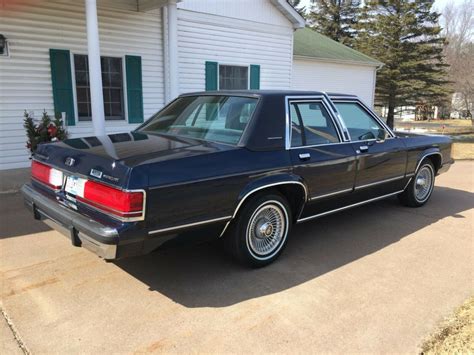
(419,190)
(260,231)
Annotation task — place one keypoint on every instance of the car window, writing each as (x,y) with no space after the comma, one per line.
(318,127)
(296,131)
(216,118)
(360,124)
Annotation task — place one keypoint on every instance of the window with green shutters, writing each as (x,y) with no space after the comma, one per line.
(133,68)
(113,82)
(220,76)
(112,87)
(63,95)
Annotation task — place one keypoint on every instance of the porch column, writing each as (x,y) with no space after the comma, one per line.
(172,11)
(95,72)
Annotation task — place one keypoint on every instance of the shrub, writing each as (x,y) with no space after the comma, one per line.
(46,130)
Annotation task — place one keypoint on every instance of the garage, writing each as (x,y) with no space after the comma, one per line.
(321,64)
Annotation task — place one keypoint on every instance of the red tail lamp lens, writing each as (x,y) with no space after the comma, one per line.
(46,174)
(114,201)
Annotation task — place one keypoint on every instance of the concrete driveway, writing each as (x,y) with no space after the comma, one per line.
(373,279)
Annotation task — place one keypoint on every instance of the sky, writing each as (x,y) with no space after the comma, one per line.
(439,4)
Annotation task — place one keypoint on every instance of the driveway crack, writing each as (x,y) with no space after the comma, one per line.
(16,335)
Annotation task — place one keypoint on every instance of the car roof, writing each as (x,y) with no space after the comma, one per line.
(260,93)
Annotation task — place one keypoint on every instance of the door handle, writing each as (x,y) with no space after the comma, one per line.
(364,148)
(305,156)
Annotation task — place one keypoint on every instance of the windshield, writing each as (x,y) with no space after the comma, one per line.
(214,118)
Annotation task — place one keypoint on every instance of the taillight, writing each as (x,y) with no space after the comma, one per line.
(47,175)
(128,205)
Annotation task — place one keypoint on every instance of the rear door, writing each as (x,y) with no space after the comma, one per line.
(381,157)
(319,154)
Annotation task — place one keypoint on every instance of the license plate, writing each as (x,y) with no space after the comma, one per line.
(75,186)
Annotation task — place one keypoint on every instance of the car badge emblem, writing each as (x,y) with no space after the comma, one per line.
(96,173)
(69,161)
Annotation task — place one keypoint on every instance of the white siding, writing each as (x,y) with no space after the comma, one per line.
(25,79)
(261,11)
(204,37)
(330,77)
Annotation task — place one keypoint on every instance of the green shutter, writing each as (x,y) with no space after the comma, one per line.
(211,76)
(133,69)
(255,77)
(63,97)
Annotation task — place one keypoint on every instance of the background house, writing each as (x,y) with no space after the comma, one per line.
(150,51)
(319,62)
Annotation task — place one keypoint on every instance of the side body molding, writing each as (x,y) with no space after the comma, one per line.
(263,183)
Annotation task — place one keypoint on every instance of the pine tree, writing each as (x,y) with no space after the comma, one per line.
(298,7)
(405,36)
(335,19)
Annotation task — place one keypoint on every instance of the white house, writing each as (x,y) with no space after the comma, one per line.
(326,65)
(120,61)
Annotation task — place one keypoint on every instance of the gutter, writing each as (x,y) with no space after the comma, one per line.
(289,11)
(377,65)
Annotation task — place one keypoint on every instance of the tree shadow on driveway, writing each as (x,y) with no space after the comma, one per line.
(204,276)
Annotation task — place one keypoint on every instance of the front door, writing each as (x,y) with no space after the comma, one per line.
(318,154)
(381,157)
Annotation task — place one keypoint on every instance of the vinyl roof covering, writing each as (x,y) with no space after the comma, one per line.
(311,44)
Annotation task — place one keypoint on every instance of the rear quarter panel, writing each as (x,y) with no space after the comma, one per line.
(206,187)
(419,146)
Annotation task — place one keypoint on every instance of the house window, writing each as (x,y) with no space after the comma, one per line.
(112,84)
(232,77)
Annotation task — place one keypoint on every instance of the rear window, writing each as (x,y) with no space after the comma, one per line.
(213,118)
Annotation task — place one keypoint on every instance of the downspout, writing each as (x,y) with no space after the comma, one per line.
(95,71)
(172,12)
(166,68)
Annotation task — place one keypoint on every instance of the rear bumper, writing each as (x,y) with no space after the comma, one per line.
(92,235)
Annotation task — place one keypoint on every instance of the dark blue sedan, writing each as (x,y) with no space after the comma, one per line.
(240,165)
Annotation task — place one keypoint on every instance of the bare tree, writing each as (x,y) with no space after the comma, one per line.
(459,51)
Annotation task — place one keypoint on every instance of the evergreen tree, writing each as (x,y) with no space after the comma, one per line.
(405,36)
(335,19)
(298,7)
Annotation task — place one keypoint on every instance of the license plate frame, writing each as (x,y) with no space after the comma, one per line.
(74,186)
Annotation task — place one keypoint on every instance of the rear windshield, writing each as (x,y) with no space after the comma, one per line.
(212,118)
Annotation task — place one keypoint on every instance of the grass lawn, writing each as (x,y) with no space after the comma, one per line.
(456,334)
(463,150)
(459,123)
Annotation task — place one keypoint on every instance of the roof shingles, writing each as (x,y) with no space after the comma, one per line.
(311,44)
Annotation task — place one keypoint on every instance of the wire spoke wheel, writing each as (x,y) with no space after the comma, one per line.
(423,183)
(267,229)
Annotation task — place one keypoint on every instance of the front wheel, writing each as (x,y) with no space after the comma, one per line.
(419,190)
(260,232)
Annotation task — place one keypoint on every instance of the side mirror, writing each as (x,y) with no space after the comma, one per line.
(382,136)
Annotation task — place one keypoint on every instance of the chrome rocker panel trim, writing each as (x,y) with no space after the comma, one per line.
(183,226)
(347,207)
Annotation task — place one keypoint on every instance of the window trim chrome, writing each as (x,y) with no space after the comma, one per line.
(341,99)
(311,98)
(347,136)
